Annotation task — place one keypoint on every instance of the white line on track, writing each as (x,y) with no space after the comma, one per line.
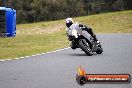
(36,54)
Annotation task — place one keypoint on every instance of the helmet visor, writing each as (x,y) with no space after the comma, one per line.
(68,23)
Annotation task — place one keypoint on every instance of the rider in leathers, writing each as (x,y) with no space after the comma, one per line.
(69,22)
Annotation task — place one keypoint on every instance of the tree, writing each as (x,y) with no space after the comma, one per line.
(44,10)
(127,4)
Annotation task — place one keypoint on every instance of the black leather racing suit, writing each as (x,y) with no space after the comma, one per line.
(89,30)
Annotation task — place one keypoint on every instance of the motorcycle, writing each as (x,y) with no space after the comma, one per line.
(83,40)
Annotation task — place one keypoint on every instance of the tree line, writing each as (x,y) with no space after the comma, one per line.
(44,10)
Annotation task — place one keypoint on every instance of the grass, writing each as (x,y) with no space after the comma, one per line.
(42,37)
(31,44)
(116,22)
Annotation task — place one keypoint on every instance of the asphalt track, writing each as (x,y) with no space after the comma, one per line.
(58,69)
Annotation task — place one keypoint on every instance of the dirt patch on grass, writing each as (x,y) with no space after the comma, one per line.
(52,29)
(39,29)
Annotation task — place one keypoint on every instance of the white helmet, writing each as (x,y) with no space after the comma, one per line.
(69,22)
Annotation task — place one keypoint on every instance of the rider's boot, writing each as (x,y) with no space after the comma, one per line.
(73,45)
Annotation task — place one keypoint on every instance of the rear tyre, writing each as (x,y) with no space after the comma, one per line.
(99,50)
(85,47)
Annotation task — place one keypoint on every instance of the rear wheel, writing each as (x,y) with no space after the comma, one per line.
(99,50)
(85,47)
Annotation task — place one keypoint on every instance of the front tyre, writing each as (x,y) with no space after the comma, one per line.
(85,47)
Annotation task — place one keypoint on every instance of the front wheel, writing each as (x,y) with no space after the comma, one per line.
(85,47)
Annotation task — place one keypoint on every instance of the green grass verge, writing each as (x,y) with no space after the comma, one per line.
(41,37)
(31,44)
(116,22)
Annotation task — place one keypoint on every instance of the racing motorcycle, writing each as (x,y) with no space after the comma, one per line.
(83,40)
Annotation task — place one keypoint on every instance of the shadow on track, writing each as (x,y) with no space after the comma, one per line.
(81,54)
